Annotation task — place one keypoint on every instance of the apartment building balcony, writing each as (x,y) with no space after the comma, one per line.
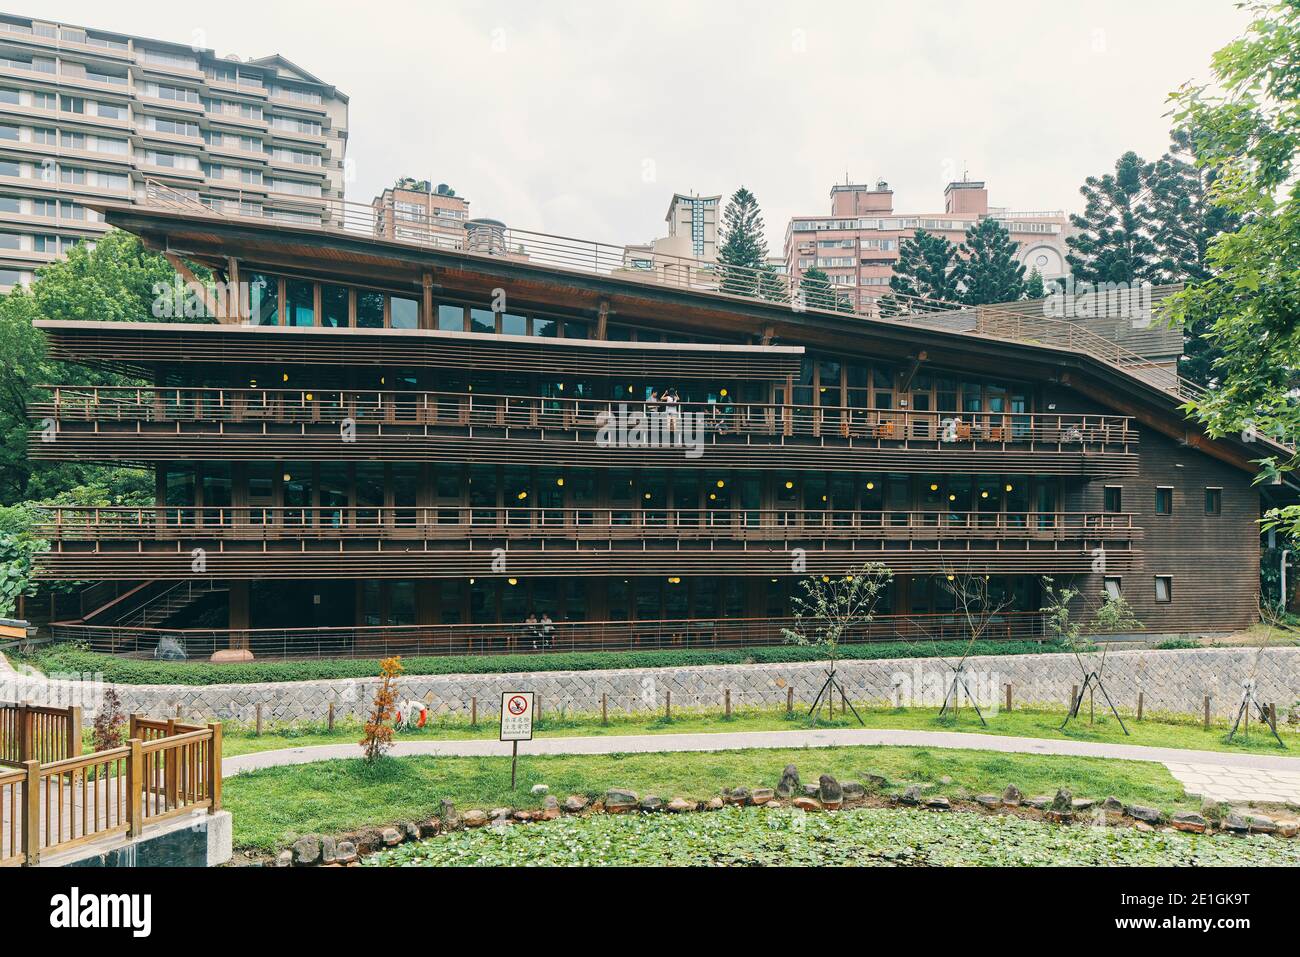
(163,542)
(153,423)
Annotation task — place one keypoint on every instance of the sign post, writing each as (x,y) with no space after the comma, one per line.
(516,724)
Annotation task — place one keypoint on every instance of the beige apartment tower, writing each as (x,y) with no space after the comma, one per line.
(89,115)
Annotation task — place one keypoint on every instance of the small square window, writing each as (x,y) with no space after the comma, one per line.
(1213,501)
(1113,499)
(1164,501)
(1164,588)
(1113,587)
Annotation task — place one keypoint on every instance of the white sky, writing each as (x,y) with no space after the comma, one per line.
(582,118)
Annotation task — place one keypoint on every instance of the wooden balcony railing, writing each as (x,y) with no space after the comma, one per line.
(518,638)
(166,769)
(713,421)
(171,524)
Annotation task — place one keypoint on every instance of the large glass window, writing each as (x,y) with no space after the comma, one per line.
(405,313)
(333,306)
(451,318)
(264,299)
(514,325)
(299,303)
(370,309)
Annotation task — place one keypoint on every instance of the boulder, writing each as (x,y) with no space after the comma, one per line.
(1144,826)
(829,792)
(1287,827)
(853,791)
(740,795)
(328,850)
(810,790)
(1012,797)
(939,804)
(450,816)
(474,818)
(307,850)
(789,785)
(875,782)
(1082,804)
(1189,821)
(228,655)
(1236,824)
(575,803)
(538,789)
(806,803)
(500,813)
(1259,824)
(284,859)
(988,800)
(1148,815)
(651,803)
(1063,802)
(761,796)
(523,816)
(911,796)
(713,804)
(620,800)
(1040,802)
(412,830)
(680,806)
(345,853)
(392,837)
(1112,805)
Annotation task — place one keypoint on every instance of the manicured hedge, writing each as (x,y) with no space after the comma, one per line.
(66,658)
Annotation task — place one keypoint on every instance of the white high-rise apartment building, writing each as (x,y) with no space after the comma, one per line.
(91,115)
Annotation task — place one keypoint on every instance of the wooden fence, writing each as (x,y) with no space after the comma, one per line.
(165,769)
(29,732)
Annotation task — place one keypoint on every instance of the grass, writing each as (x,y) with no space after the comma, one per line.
(870,837)
(67,658)
(1164,731)
(275,806)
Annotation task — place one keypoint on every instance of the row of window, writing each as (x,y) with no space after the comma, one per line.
(1164,588)
(1113,499)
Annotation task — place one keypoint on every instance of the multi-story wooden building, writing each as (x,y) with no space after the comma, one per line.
(406,446)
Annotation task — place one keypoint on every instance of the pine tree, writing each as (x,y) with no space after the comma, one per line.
(989,271)
(1034,287)
(927,268)
(1186,222)
(1113,242)
(743,250)
(772,285)
(817,290)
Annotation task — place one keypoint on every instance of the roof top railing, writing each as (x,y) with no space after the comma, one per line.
(490,238)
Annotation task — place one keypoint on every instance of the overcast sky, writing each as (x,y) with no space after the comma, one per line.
(583,118)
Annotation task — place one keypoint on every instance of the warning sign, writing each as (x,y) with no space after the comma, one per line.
(516,716)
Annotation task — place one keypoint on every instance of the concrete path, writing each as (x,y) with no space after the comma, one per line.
(1221,775)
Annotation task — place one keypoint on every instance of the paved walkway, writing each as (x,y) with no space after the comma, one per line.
(1220,775)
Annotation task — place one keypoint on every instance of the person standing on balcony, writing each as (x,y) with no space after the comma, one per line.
(672,411)
(547,629)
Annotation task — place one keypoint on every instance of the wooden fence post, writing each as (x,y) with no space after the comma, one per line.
(726,699)
(604,708)
(1008,704)
(1074,696)
(1141,702)
(789,700)
(171,771)
(473,712)
(1272,715)
(134,787)
(668,705)
(329,718)
(31,835)
(74,732)
(26,742)
(258,731)
(133,725)
(214,762)
(1207,711)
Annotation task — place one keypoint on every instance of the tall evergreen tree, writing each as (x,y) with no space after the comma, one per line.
(1034,286)
(1186,222)
(989,271)
(1113,242)
(927,268)
(817,290)
(743,250)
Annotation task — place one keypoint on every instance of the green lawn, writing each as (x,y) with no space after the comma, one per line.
(69,658)
(273,807)
(888,837)
(1166,731)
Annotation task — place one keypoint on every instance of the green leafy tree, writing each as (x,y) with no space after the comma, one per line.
(1247,124)
(927,269)
(989,271)
(1113,240)
(772,285)
(742,253)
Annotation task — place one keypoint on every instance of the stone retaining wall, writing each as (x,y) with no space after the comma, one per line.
(1171,681)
